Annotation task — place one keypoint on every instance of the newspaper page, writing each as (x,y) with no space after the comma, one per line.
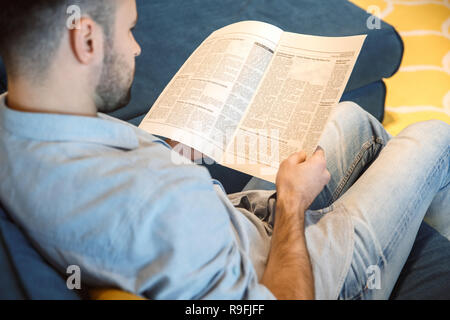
(304,82)
(204,103)
(251,95)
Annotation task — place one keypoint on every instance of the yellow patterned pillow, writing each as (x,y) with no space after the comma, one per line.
(420,90)
(112,294)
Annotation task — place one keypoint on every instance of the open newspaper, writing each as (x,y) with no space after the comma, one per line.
(251,95)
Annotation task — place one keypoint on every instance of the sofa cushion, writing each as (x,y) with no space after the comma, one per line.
(169,31)
(25,274)
(426,274)
(10,287)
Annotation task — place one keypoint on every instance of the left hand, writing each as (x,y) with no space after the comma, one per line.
(185,150)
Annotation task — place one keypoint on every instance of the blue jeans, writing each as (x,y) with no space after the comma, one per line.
(387,186)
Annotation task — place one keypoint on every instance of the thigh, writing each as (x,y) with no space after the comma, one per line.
(352,140)
(388,203)
(438,214)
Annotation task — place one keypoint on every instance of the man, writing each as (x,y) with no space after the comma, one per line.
(95,192)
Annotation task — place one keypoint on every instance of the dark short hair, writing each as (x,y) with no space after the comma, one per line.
(31,30)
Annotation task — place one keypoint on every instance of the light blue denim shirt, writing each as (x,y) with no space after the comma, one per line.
(108,197)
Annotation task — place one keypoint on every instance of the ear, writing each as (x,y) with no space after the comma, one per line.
(86,41)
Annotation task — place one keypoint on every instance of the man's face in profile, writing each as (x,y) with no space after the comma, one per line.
(113,90)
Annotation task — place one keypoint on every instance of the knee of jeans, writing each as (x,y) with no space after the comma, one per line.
(350,108)
(435,133)
(349,115)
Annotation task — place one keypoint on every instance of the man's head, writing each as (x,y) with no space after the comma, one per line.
(78,45)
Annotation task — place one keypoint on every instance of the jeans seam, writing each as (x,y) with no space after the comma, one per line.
(365,147)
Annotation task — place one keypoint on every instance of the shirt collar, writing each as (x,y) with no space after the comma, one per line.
(54,127)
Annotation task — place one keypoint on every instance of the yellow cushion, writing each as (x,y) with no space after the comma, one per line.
(112,294)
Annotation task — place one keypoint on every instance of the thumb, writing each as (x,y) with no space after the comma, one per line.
(319,149)
(319,153)
(298,157)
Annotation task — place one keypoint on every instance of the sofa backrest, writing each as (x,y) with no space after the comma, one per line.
(9,283)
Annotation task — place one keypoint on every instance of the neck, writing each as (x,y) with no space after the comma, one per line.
(57,98)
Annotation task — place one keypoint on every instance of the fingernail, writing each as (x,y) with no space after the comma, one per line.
(318,148)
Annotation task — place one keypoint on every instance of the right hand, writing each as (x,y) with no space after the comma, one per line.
(299,180)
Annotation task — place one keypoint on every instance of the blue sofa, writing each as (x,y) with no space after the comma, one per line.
(168,32)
